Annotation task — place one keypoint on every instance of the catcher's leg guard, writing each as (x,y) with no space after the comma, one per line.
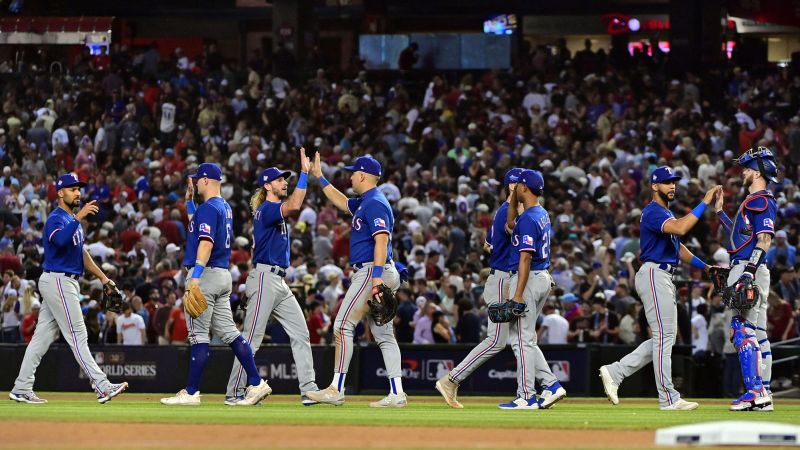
(744,339)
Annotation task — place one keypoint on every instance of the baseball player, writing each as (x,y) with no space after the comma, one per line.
(371,259)
(499,243)
(661,251)
(751,234)
(64,262)
(209,241)
(267,292)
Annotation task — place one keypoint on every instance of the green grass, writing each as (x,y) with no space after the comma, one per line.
(572,413)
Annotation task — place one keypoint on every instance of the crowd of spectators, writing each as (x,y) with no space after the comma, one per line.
(133,125)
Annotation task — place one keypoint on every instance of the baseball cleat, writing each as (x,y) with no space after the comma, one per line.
(609,386)
(329,395)
(254,394)
(113,391)
(182,398)
(552,395)
(751,400)
(520,403)
(30,397)
(307,401)
(231,401)
(391,401)
(449,391)
(681,405)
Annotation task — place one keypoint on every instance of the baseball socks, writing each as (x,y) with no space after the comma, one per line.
(338,381)
(244,354)
(396,385)
(197,364)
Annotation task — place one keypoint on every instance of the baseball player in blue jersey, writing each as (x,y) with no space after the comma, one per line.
(661,251)
(371,259)
(267,292)
(751,233)
(64,262)
(497,285)
(209,241)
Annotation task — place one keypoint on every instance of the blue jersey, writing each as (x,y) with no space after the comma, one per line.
(214,222)
(190,255)
(756,215)
(657,246)
(270,235)
(500,242)
(532,234)
(372,215)
(63,243)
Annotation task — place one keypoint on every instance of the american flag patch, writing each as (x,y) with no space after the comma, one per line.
(769,223)
(380,223)
(527,240)
(205,228)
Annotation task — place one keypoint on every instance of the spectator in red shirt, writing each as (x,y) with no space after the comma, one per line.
(101,62)
(317,325)
(240,253)
(169,227)
(28,325)
(9,261)
(175,332)
(781,319)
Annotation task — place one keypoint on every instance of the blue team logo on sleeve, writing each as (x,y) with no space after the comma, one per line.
(205,228)
(527,240)
(769,224)
(380,223)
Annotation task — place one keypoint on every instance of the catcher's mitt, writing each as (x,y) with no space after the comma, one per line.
(507,311)
(719,278)
(742,299)
(194,302)
(112,300)
(382,305)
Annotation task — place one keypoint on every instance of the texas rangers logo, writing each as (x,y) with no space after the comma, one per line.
(380,223)
(769,224)
(527,240)
(205,228)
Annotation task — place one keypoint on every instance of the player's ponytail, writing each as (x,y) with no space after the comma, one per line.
(257,199)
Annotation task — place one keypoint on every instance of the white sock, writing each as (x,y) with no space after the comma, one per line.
(396,385)
(338,381)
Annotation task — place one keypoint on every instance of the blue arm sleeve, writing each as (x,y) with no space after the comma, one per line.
(64,236)
(725,221)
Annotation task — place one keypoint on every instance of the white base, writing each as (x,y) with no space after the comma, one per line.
(731,432)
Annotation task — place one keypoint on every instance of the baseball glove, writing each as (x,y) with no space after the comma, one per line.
(719,277)
(194,302)
(743,298)
(112,300)
(507,311)
(382,305)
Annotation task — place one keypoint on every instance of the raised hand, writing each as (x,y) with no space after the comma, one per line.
(720,202)
(305,162)
(711,194)
(89,209)
(189,189)
(316,168)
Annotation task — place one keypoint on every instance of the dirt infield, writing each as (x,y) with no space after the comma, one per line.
(18,434)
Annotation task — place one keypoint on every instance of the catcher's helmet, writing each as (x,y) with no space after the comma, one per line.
(761,159)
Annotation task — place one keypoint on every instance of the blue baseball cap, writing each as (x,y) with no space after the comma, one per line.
(512,176)
(366,164)
(208,170)
(663,174)
(272,174)
(569,298)
(69,180)
(533,179)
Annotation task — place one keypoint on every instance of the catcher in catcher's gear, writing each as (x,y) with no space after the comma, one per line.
(751,234)
(208,254)
(371,259)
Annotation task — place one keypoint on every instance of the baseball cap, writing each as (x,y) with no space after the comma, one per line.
(781,234)
(172,248)
(208,170)
(272,174)
(663,174)
(366,164)
(533,179)
(69,180)
(512,176)
(569,297)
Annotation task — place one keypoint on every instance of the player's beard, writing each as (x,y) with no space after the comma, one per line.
(665,197)
(74,203)
(747,181)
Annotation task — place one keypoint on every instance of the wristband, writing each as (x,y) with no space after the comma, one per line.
(699,210)
(323,182)
(302,182)
(190,207)
(377,271)
(698,263)
(756,258)
(198,269)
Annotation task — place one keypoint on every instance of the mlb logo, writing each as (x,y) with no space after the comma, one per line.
(205,228)
(769,223)
(380,223)
(561,370)
(527,240)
